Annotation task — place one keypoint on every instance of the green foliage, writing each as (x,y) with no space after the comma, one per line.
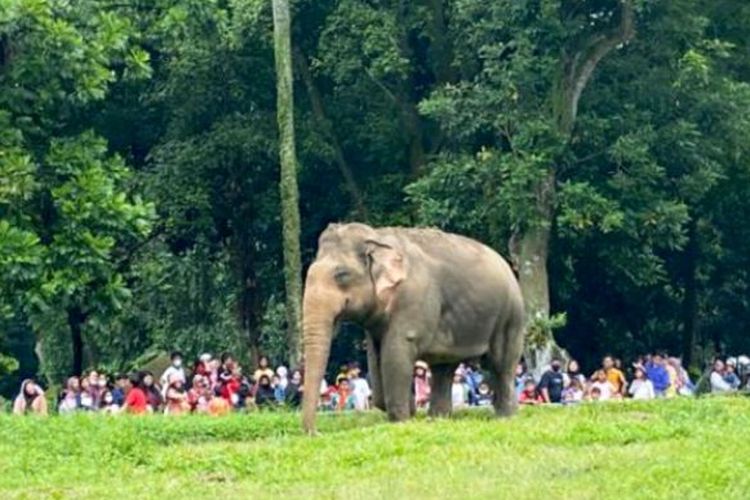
(262,454)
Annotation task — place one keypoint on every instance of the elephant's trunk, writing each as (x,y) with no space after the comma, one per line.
(319,314)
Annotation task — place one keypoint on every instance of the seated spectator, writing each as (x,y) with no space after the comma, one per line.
(293,392)
(730,374)
(603,386)
(283,373)
(360,388)
(136,400)
(108,405)
(203,365)
(199,394)
(118,393)
(552,384)
(614,375)
(278,390)
(97,386)
(521,377)
(343,398)
(573,372)
(684,385)
(484,394)
(718,382)
(529,395)
(573,393)
(86,395)
(459,391)
(30,400)
(244,399)
(70,399)
(218,406)
(152,391)
(263,369)
(226,369)
(595,394)
(657,373)
(175,369)
(421,385)
(641,387)
(175,397)
(231,385)
(264,396)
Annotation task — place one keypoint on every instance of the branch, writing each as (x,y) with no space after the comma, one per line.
(586,60)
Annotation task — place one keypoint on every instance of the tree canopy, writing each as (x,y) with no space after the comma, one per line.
(602,146)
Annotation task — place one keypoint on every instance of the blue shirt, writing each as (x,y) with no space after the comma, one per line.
(658,376)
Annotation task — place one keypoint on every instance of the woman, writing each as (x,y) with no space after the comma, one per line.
(30,400)
(199,395)
(71,397)
(136,401)
(108,404)
(86,395)
(264,397)
(293,392)
(421,385)
(573,372)
(263,369)
(153,394)
(573,393)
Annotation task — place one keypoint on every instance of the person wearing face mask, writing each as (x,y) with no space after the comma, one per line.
(174,370)
(552,384)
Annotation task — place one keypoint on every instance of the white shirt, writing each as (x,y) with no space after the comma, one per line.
(718,384)
(458,395)
(361,391)
(605,390)
(641,389)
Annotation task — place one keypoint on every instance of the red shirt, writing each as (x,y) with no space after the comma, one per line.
(136,401)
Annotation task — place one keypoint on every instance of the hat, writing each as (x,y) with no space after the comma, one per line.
(421,364)
(206,357)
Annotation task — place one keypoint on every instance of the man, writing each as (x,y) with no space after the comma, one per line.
(614,375)
(175,369)
(656,372)
(552,384)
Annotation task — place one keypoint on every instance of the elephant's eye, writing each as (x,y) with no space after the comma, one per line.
(342,275)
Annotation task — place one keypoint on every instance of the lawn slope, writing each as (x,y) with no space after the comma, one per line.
(664,449)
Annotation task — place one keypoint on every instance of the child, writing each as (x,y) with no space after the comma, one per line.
(459,391)
(730,376)
(421,385)
(343,398)
(199,395)
(574,392)
(603,385)
(641,387)
(484,395)
(136,401)
(176,399)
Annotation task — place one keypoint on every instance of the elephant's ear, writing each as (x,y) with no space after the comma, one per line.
(388,268)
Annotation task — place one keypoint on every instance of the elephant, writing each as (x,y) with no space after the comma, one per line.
(419,294)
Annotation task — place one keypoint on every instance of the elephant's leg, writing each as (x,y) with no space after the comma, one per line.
(440,393)
(397,357)
(505,352)
(373,366)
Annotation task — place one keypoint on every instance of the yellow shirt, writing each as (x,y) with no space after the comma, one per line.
(616,378)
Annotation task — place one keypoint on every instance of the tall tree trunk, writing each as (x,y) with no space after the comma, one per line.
(288,182)
(691,324)
(530,248)
(76,318)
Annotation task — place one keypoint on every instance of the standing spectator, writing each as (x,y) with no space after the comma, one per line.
(118,393)
(175,369)
(718,383)
(264,397)
(641,387)
(421,385)
(657,373)
(263,369)
(484,394)
(614,375)
(552,384)
(573,393)
(175,397)
(521,377)
(602,385)
(293,392)
(136,401)
(343,398)
(573,372)
(71,396)
(529,394)
(684,385)
(152,391)
(472,378)
(30,400)
(459,391)
(360,388)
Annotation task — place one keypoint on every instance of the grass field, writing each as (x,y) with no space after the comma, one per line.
(660,449)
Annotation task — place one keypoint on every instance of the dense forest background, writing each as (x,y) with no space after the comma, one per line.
(602,146)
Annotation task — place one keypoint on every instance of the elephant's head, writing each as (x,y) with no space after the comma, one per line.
(354,277)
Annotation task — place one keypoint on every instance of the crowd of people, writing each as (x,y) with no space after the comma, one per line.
(218,386)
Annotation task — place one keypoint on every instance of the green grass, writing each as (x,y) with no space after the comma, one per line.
(661,449)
